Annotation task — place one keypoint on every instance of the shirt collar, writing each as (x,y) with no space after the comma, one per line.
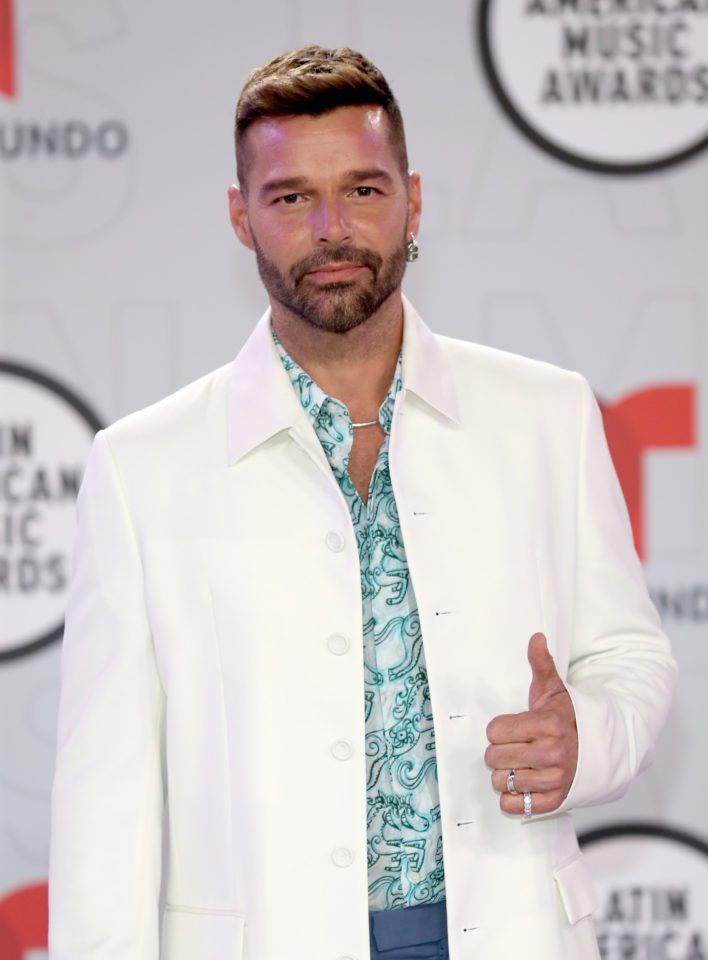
(320,406)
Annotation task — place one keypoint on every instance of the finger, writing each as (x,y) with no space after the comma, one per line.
(514,727)
(548,780)
(540,802)
(507,756)
(545,679)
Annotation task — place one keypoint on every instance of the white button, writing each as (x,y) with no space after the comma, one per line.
(335,541)
(414,876)
(338,644)
(348,957)
(342,857)
(342,749)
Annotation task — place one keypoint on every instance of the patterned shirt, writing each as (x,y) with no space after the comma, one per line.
(404,838)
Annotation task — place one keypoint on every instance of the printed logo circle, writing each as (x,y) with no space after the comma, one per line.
(45,437)
(614,86)
(652,883)
(24,922)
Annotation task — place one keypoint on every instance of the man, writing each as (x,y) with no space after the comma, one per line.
(362,606)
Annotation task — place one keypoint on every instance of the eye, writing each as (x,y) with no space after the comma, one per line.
(364,191)
(289,199)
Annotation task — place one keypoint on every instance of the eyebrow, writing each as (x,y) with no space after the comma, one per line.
(285,183)
(373,174)
(297,183)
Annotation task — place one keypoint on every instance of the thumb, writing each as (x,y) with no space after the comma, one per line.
(545,680)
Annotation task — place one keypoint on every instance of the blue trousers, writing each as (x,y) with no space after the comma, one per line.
(409,933)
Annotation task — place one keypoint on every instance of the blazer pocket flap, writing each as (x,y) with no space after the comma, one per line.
(193,934)
(576,889)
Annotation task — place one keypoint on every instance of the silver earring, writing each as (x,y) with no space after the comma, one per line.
(412,249)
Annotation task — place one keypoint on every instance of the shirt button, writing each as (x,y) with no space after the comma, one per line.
(335,541)
(342,749)
(338,644)
(342,857)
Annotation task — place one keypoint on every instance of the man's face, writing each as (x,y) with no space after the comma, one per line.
(328,213)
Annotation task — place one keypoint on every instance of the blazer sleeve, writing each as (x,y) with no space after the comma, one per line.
(107,795)
(621,673)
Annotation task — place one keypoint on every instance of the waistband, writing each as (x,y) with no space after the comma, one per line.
(408,926)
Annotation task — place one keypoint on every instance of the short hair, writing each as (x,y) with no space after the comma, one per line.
(314,80)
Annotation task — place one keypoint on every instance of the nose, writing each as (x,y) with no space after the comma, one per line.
(331,223)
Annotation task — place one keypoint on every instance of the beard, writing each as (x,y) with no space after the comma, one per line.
(338,306)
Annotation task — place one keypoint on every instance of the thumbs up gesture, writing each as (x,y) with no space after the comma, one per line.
(539,745)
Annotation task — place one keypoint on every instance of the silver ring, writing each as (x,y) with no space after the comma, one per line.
(528,807)
(510,782)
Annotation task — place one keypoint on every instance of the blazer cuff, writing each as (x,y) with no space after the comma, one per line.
(598,774)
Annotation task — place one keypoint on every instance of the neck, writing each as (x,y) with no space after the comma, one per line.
(355,367)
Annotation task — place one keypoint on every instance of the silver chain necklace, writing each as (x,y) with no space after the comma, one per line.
(366,423)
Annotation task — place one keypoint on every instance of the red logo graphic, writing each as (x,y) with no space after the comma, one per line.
(7,48)
(24,919)
(650,419)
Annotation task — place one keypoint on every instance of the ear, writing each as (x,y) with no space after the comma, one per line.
(238,214)
(414,202)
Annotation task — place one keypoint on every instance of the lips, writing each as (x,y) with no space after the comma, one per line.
(336,265)
(335,272)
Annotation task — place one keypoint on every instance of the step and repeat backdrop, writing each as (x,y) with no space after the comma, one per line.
(563,146)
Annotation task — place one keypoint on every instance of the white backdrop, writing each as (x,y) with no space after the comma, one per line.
(120,281)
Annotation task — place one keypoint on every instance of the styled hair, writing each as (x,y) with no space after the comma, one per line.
(313,80)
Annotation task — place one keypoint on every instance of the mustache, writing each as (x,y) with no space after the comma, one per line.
(359,256)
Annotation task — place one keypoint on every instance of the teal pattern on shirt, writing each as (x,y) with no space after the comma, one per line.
(404,836)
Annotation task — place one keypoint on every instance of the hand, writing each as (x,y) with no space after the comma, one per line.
(541,745)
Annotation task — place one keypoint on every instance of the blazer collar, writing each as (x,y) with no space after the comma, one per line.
(262,403)
(426,370)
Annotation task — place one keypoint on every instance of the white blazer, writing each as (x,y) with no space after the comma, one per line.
(213,658)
